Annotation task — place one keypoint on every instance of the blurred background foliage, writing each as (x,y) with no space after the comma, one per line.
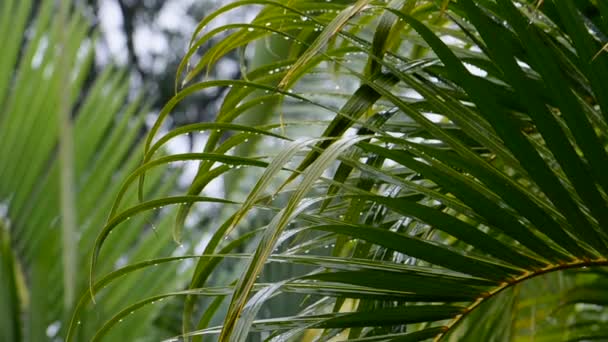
(55,67)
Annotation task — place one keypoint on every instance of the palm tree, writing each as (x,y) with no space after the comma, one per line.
(64,152)
(452,185)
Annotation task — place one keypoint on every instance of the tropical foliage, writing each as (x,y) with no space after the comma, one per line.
(452,186)
(67,143)
(435,168)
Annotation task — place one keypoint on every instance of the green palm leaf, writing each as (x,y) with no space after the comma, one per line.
(458,175)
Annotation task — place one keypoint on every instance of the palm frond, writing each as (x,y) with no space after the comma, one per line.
(458,167)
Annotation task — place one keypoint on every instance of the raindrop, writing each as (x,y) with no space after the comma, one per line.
(250,29)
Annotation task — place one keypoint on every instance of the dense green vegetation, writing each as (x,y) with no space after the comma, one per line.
(393,171)
(65,149)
